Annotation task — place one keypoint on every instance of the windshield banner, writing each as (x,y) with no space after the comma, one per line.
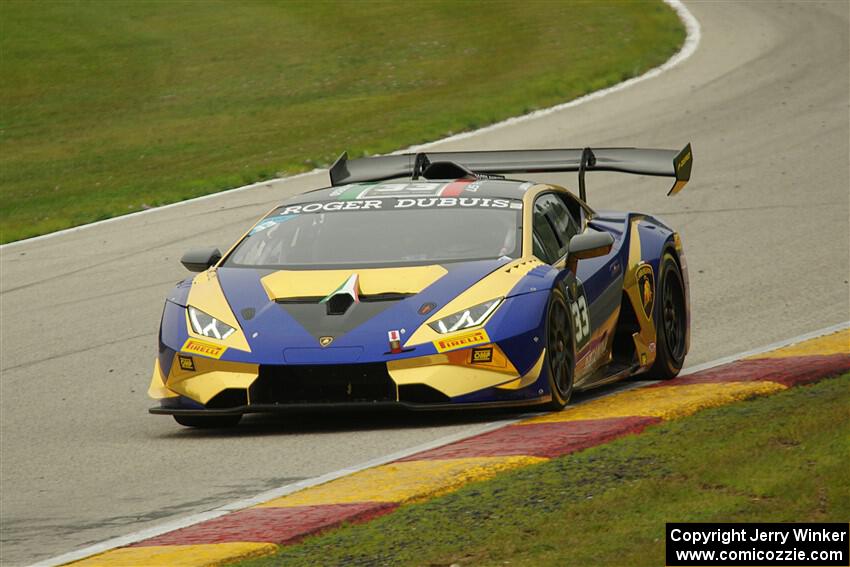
(401,203)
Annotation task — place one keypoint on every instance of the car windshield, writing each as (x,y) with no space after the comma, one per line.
(384,234)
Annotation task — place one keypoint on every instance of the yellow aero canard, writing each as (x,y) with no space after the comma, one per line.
(203,348)
(471,338)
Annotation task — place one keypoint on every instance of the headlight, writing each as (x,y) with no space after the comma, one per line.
(208,326)
(471,317)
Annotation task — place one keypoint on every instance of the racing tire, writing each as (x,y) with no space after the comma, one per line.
(208,421)
(560,351)
(670,321)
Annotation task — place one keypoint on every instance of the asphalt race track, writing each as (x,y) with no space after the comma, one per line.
(765,223)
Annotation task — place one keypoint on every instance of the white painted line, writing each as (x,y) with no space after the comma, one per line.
(129,539)
(264,497)
(692,40)
(152,210)
(300,485)
(694,34)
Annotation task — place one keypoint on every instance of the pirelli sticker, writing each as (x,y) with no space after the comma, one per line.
(203,348)
(464,340)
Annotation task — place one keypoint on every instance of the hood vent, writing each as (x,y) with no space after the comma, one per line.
(339,304)
(343,297)
(374,298)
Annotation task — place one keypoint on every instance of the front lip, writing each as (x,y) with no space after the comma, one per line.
(336,406)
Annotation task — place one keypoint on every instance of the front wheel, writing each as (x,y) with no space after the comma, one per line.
(208,421)
(560,351)
(670,321)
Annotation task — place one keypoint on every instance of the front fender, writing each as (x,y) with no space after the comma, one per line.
(518,327)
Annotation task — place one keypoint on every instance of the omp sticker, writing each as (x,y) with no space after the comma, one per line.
(460,341)
(186,362)
(482,355)
(203,348)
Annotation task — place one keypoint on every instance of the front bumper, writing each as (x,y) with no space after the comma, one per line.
(462,378)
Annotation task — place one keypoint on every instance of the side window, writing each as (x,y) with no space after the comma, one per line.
(575,210)
(545,244)
(553,227)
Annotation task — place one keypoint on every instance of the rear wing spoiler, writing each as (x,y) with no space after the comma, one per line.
(441,165)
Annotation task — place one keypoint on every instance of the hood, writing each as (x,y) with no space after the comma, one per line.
(284,317)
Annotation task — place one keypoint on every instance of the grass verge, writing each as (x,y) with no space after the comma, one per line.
(108,107)
(781,458)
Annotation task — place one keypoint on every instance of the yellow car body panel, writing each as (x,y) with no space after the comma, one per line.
(206,295)
(291,284)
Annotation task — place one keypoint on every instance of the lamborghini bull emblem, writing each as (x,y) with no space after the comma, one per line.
(325,341)
(645,281)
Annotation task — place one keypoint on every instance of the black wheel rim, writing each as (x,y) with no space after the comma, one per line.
(674,316)
(560,349)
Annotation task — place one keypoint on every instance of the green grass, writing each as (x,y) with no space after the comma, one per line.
(782,458)
(108,107)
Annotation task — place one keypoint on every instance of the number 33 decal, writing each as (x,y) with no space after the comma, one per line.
(581,320)
(581,315)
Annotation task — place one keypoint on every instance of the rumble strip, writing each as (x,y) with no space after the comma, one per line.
(368,493)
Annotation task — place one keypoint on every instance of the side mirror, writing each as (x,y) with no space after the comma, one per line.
(590,244)
(200,259)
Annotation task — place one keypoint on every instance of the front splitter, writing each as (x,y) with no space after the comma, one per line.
(344,406)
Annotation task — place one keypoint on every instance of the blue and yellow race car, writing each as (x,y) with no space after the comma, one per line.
(430,280)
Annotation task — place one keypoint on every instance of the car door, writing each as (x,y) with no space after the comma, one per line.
(553,227)
(556,219)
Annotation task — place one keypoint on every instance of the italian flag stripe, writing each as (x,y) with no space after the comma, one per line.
(455,188)
(353,192)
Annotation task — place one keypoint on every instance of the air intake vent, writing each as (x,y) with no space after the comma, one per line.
(522,265)
(421,394)
(373,298)
(446,170)
(339,304)
(293,384)
(229,398)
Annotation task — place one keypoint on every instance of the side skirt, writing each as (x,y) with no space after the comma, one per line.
(608,374)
